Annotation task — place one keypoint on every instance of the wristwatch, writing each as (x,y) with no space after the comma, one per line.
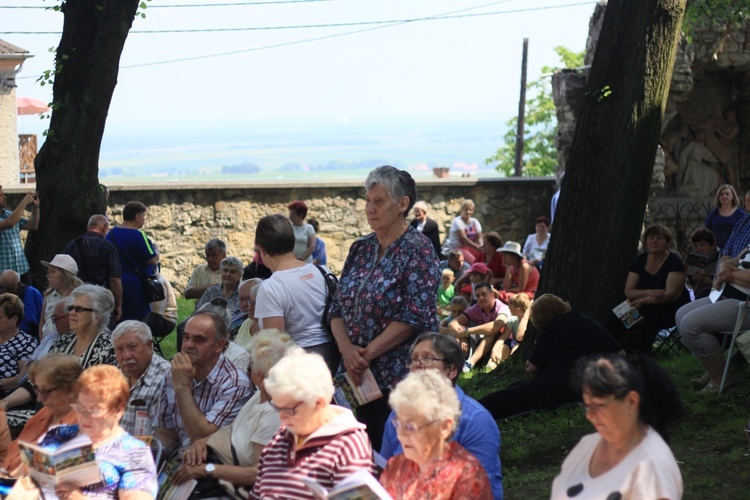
(210,468)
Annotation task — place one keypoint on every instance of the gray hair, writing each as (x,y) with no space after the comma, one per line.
(266,348)
(141,330)
(217,310)
(430,394)
(252,283)
(216,243)
(301,375)
(397,182)
(102,301)
(421,205)
(234,262)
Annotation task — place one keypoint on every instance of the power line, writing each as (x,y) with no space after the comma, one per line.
(327,25)
(447,15)
(238,4)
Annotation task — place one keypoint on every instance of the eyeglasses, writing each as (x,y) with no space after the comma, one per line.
(43,392)
(88,412)
(79,309)
(426,361)
(289,411)
(409,427)
(249,300)
(595,407)
(55,319)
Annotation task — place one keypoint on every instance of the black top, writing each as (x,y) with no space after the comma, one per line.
(658,281)
(432,231)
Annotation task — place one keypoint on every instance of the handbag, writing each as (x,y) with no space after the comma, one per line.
(152,289)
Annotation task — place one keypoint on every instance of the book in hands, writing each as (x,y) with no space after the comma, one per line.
(697,262)
(360,485)
(352,396)
(73,462)
(168,490)
(628,314)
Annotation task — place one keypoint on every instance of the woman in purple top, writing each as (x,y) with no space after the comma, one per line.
(387,293)
(725,214)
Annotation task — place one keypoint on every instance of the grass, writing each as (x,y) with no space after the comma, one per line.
(185,308)
(708,441)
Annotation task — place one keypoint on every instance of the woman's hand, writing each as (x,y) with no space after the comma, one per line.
(187,472)
(197,453)
(354,361)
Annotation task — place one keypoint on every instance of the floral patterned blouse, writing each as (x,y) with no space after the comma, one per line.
(100,352)
(457,474)
(401,287)
(19,346)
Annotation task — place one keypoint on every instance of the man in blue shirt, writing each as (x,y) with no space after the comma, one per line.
(477,430)
(32,299)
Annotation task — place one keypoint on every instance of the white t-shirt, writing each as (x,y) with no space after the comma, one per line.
(299,296)
(256,423)
(301,237)
(649,471)
(458,223)
(534,250)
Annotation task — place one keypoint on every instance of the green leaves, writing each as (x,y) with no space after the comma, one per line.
(540,153)
(703,15)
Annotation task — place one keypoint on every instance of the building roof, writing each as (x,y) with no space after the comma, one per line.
(9,51)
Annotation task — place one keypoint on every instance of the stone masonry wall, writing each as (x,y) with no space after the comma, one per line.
(181,219)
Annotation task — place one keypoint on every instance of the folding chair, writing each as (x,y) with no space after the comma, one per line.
(670,343)
(741,312)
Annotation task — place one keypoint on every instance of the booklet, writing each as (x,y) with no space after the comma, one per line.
(360,485)
(628,314)
(167,489)
(698,262)
(352,396)
(72,462)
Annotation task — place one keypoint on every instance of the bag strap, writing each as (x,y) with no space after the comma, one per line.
(127,259)
(328,278)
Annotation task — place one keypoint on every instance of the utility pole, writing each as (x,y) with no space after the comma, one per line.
(521,111)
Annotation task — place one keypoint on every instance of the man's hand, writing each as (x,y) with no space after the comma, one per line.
(187,472)
(197,453)
(183,370)
(29,199)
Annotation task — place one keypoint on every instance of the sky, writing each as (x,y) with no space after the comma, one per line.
(430,70)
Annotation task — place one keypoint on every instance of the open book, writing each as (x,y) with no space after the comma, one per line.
(698,262)
(352,396)
(628,314)
(167,489)
(360,485)
(72,462)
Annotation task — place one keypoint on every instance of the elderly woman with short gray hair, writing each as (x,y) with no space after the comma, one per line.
(427,413)
(231,269)
(317,440)
(387,294)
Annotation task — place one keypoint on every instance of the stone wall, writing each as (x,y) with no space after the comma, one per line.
(182,218)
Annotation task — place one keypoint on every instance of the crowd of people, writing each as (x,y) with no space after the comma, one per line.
(246,407)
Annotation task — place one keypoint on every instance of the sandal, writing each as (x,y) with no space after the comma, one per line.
(713,388)
(701,381)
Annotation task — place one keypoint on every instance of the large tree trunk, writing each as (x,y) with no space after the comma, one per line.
(606,184)
(87,63)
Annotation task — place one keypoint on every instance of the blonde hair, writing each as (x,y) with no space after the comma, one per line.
(266,348)
(107,384)
(521,301)
(448,272)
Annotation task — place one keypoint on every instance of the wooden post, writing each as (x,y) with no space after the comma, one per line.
(521,112)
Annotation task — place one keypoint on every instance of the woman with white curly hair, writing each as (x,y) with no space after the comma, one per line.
(317,440)
(427,412)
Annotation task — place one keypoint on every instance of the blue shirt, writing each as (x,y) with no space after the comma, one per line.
(11,248)
(739,239)
(476,431)
(32,311)
(319,253)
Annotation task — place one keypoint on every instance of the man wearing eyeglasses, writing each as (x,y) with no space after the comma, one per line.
(203,390)
(476,431)
(145,371)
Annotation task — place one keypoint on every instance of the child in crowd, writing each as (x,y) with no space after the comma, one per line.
(515,329)
(478,273)
(445,292)
(458,305)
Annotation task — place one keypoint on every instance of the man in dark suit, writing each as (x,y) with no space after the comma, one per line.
(427,226)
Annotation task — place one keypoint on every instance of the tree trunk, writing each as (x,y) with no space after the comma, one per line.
(606,185)
(87,62)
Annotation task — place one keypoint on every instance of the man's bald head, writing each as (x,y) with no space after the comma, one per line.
(98,223)
(9,281)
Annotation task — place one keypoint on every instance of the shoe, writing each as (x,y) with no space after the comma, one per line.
(712,387)
(701,381)
(467,367)
(491,365)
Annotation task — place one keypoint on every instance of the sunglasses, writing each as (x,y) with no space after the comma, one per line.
(79,309)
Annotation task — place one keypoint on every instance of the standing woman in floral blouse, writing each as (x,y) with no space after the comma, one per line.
(387,293)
